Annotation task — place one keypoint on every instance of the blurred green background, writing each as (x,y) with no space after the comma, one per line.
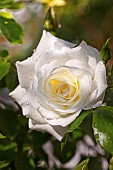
(89,20)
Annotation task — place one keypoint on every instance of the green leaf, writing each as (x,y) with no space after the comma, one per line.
(67,153)
(105,52)
(83,165)
(4,65)
(74,125)
(10,28)
(5,3)
(11,78)
(76,134)
(3,164)
(4,68)
(2,136)
(9,146)
(103,127)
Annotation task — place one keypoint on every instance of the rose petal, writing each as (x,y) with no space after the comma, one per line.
(81,65)
(32,113)
(18,93)
(38,104)
(48,57)
(26,71)
(56,131)
(99,100)
(100,78)
(96,53)
(92,96)
(64,121)
(92,53)
(45,70)
(48,42)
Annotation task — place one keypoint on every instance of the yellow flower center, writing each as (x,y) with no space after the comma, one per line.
(62,87)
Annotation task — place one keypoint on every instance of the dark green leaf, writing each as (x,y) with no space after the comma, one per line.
(103,127)
(105,52)
(64,140)
(5,3)
(37,137)
(74,125)
(3,164)
(4,65)
(76,134)
(4,68)
(8,155)
(11,78)
(10,28)
(67,153)
(83,165)
(8,123)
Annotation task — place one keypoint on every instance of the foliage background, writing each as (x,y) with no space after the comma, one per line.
(20,148)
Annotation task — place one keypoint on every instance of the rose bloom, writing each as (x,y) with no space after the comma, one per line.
(57,82)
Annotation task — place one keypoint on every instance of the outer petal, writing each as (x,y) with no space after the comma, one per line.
(64,121)
(48,43)
(100,78)
(32,113)
(95,103)
(97,96)
(92,53)
(99,100)
(56,131)
(92,97)
(18,93)
(26,71)
(81,65)
(95,52)
(79,53)
(37,101)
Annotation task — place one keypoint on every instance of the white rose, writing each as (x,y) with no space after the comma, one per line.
(57,82)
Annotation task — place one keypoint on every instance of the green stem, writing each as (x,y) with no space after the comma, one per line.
(19,161)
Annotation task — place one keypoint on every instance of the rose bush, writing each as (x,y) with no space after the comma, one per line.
(57,82)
